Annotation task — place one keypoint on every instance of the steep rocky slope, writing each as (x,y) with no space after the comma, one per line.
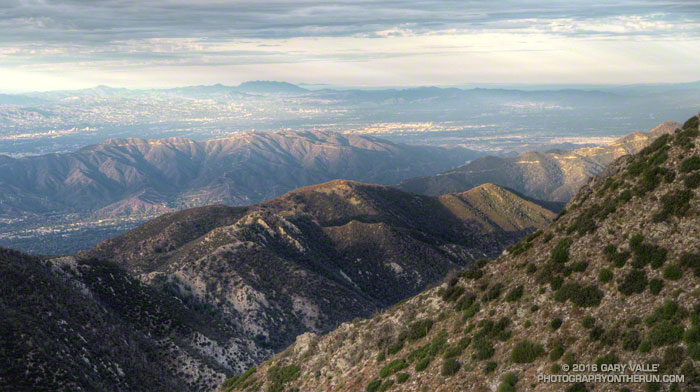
(554,176)
(89,326)
(613,280)
(317,256)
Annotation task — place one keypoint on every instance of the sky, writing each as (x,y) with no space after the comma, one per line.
(50,44)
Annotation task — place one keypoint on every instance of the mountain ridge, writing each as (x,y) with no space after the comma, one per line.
(627,241)
(125,180)
(545,176)
(279,268)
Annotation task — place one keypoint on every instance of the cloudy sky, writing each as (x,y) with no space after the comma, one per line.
(52,44)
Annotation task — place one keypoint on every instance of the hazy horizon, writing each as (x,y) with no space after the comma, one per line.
(321,86)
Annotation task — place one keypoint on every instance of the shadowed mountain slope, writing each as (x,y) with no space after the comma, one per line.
(87,326)
(613,280)
(554,176)
(317,256)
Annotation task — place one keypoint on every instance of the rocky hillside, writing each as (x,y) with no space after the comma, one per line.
(554,176)
(89,326)
(613,280)
(127,177)
(281,268)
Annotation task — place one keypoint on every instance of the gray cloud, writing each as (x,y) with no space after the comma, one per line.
(106,21)
(52,35)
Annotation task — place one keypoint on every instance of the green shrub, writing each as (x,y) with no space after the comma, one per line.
(588,322)
(692,181)
(515,293)
(386,385)
(381,356)
(373,386)
(685,137)
(505,388)
(490,367)
(691,261)
(651,178)
(556,323)
(519,248)
(665,332)
(501,325)
(596,333)
(452,293)
(635,241)
(584,223)
(584,296)
(419,329)
(450,367)
(624,197)
(607,359)
(493,293)
(691,124)
(508,381)
(605,275)
(620,258)
(423,364)
(676,203)
(531,269)
(694,351)
(655,286)
(631,340)
(672,272)
(392,367)
(645,346)
(634,282)
(690,164)
(669,177)
(457,349)
(578,387)
(609,250)
(526,351)
(473,273)
(556,282)
(465,302)
(670,310)
(471,311)
(484,348)
(560,253)
(649,254)
(394,348)
(419,353)
(556,352)
(438,343)
(652,387)
(402,378)
(658,143)
(235,382)
(579,266)
(692,335)
(569,358)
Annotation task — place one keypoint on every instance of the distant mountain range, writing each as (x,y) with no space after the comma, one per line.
(127,177)
(199,295)
(554,176)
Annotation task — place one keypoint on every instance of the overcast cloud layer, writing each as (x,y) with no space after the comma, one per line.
(48,44)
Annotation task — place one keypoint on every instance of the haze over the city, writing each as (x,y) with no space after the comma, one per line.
(50,45)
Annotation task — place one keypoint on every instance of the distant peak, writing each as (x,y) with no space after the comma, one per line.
(270,86)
